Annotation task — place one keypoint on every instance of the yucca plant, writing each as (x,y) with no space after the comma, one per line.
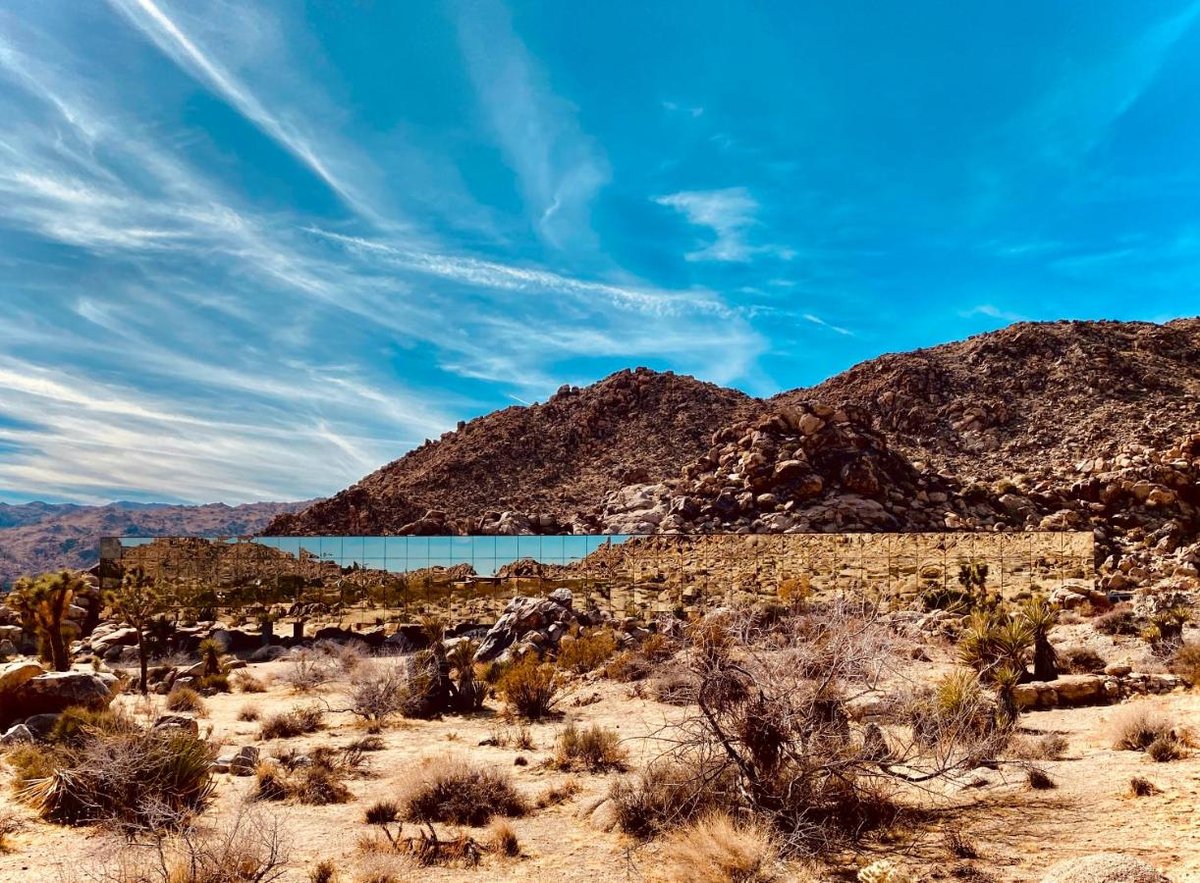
(994,638)
(1041,616)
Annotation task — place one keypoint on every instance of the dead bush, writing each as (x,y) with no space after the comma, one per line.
(458,792)
(9,825)
(672,791)
(1118,621)
(772,736)
(288,724)
(674,686)
(718,849)
(502,839)
(244,682)
(1186,662)
(380,690)
(309,668)
(1165,749)
(1082,660)
(1039,779)
(248,713)
(1140,787)
(318,781)
(249,848)
(1049,746)
(185,699)
(628,666)
(325,871)
(1139,725)
(556,794)
(529,688)
(595,749)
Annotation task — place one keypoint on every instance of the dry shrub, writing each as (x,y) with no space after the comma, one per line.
(675,686)
(595,749)
(32,761)
(308,669)
(9,825)
(1140,787)
(248,848)
(1165,749)
(658,648)
(586,652)
(628,666)
(248,713)
(1049,746)
(134,779)
(381,689)
(458,792)
(1038,779)
(185,699)
(502,839)
(1118,621)
(529,688)
(671,791)
(318,782)
(1139,725)
(325,871)
(718,849)
(1082,660)
(1186,662)
(244,682)
(288,724)
(76,725)
(556,794)
(367,744)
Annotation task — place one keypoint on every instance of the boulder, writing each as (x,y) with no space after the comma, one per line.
(1067,690)
(17,735)
(14,674)
(177,722)
(526,620)
(52,692)
(1104,867)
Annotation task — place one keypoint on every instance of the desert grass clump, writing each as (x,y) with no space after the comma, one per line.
(502,839)
(134,779)
(1186,662)
(556,794)
(1121,620)
(595,749)
(628,666)
(367,744)
(1165,749)
(1039,779)
(185,699)
(530,688)
(286,725)
(75,725)
(1140,787)
(461,793)
(325,871)
(587,651)
(9,825)
(1140,725)
(249,713)
(719,849)
(1048,746)
(670,792)
(244,682)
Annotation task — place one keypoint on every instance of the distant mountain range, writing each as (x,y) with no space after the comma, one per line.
(36,537)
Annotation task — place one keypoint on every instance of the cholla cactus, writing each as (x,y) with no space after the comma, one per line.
(883,871)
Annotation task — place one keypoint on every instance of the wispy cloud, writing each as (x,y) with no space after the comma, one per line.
(994,312)
(164,31)
(558,167)
(731,214)
(817,320)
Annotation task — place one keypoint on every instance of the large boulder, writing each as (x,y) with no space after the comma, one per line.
(52,692)
(1104,867)
(523,618)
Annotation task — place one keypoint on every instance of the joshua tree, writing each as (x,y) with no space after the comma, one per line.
(138,601)
(43,604)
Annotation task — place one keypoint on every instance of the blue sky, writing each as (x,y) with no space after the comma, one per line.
(255,250)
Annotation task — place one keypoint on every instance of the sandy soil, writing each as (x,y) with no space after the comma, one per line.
(1016,832)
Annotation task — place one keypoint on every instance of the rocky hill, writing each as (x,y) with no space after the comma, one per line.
(1030,398)
(546,462)
(1066,425)
(36,537)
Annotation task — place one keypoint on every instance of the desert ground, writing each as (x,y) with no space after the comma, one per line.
(976,823)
